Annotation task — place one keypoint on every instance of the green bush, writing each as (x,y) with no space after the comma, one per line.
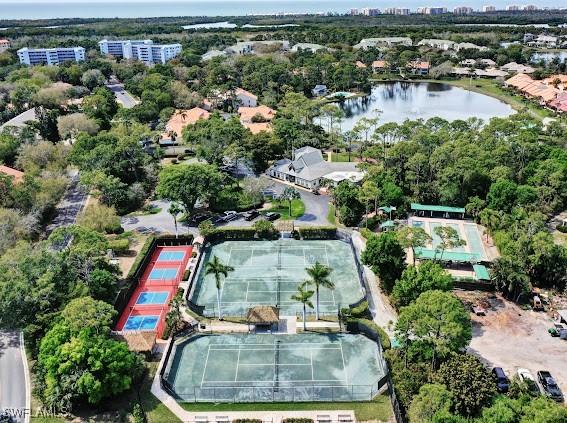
(233,199)
(119,246)
(361,311)
(562,228)
(232,234)
(318,232)
(366,233)
(265,229)
(143,252)
(186,274)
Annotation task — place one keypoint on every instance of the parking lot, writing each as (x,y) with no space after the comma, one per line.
(512,338)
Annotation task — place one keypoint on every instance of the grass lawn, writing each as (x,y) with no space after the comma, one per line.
(331,215)
(342,157)
(379,409)
(282,207)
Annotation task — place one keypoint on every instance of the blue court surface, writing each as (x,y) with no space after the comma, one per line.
(163,273)
(171,256)
(148,298)
(141,323)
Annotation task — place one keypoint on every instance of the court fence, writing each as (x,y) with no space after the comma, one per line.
(134,277)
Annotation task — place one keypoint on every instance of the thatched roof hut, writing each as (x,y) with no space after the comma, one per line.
(263,315)
(143,341)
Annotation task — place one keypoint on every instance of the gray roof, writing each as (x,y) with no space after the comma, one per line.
(309,165)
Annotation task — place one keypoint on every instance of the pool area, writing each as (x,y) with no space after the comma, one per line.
(269,273)
(141,322)
(260,368)
(152,298)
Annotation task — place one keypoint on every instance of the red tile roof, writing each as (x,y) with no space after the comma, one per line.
(16,174)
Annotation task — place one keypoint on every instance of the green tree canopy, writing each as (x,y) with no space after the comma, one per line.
(417,280)
(386,257)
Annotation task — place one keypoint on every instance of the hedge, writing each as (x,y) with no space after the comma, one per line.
(372,330)
(562,228)
(317,232)
(244,233)
(140,257)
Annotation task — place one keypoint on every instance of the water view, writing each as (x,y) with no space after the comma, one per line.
(399,101)
(549,57)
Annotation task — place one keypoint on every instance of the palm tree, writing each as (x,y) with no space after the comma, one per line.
(289,194)
(174,210)
(319,275)
(304,297)
(217,268)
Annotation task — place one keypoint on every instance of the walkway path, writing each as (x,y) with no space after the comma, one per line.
(14,378)
(384,314)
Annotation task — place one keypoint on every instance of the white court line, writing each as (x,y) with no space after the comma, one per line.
(272,364)
(237,364)
(272,349)
(333,294)
(327,255)
(247,290)
(344,364)
(205,367)
(312,369)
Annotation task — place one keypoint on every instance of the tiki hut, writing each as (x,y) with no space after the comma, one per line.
(263,317)
(142,342)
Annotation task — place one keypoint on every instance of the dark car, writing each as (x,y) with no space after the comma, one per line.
(549,386)
(272,216)
(502,382)
(198,218)
(251,215)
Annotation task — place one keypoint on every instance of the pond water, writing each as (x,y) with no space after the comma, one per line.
(548,57)
(399,101)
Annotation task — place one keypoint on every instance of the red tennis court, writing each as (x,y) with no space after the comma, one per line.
(149,304)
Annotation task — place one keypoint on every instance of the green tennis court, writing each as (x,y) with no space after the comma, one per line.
(269,272)
(289,367)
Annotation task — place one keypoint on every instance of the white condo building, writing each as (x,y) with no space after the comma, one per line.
(143,50)
(50,56)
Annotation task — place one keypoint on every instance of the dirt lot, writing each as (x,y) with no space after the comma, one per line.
(510,337)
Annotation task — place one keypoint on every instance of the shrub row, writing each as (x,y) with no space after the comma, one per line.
(370,329)
(119,246)
(232,234)
(317,232)
(140,257)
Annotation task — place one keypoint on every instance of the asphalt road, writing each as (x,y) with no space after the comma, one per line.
(123,96)
(13,385)
(70,206)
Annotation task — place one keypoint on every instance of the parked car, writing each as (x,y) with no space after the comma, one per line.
(525,376)
(272,216)
(228,216)
(198,218)
(502,382)
(549,386)
(251,215)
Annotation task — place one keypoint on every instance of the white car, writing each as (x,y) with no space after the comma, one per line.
(227,216)
(526,377)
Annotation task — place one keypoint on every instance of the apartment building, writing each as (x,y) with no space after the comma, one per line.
(463,10)
(383,42)
(143,50)
(404,11)
(488,9)
(50,56)
(4,45)
(432,10)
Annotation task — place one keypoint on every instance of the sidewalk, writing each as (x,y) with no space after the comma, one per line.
(384,314)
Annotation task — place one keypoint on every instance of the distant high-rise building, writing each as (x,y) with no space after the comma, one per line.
(512,8)
(530,7)
(50,56)
(397,11)
(486,9)
(463,10)
(432,10)
(354,12)
(4,45)
(367,11)
(143,50)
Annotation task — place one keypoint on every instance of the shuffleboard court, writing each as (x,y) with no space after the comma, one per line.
(288,367)
(152,298)
(269,273)
(167,255)
(163,273)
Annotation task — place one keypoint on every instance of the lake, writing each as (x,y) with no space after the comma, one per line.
(399,101)
(548,57)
